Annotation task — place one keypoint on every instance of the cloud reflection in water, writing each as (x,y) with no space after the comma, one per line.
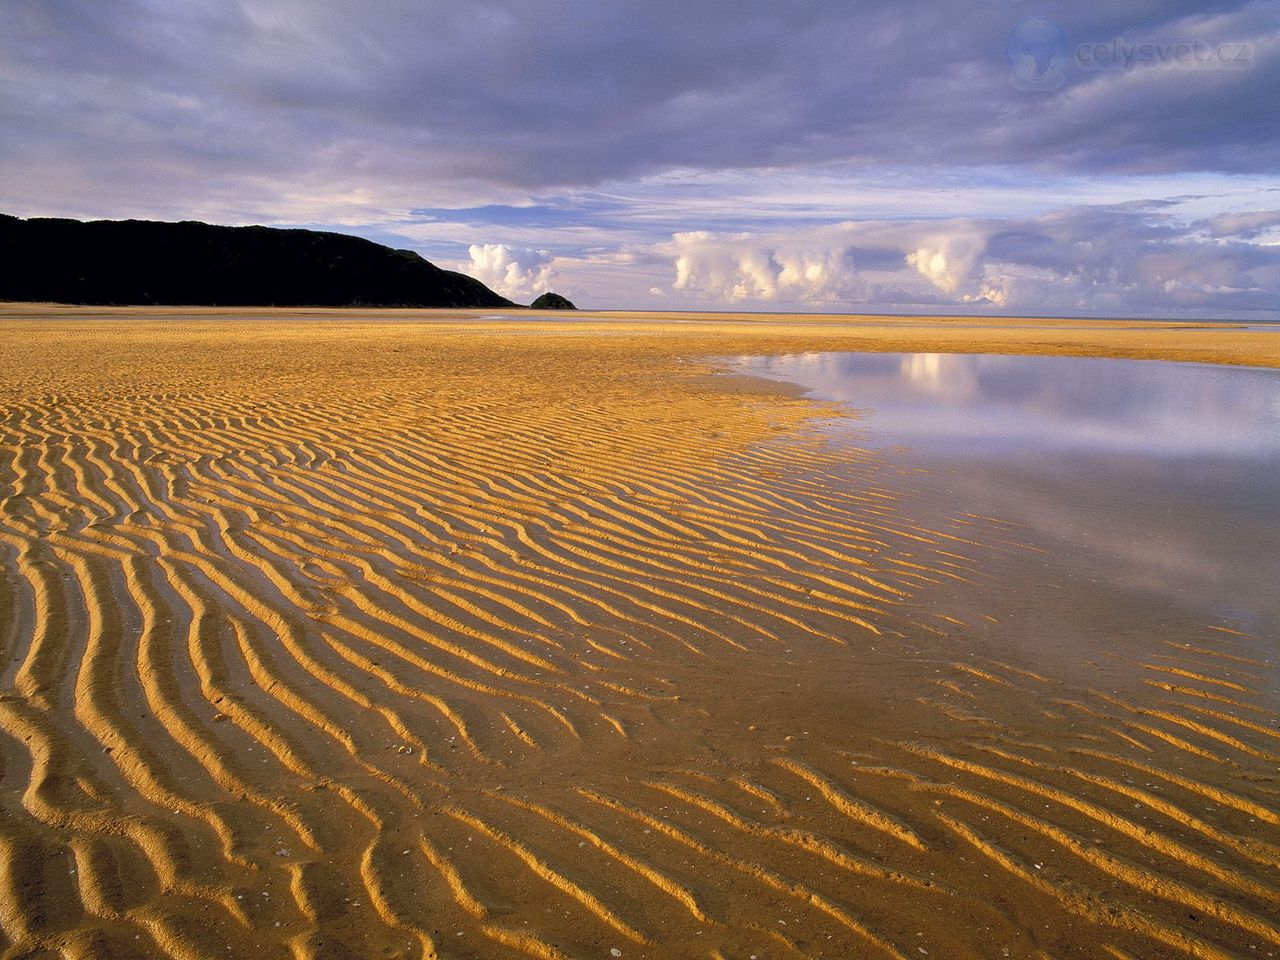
(971,404)
(1155,479)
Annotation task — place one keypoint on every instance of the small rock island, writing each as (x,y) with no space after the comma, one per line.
(552,301)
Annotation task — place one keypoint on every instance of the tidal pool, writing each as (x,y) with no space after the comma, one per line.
(1150,489)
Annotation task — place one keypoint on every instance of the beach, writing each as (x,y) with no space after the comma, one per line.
(446,633)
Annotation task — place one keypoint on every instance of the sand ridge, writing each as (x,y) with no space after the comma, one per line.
(397,637)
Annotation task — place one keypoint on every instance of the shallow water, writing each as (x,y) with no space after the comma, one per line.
(1151,481)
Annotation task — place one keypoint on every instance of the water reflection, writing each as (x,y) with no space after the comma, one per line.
(1156,482)
(974,402)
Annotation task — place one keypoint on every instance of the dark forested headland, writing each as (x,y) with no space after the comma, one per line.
(198,264)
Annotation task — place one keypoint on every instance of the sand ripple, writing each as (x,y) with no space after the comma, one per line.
(388,640)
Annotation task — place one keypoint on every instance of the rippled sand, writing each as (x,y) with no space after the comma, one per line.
(335,636)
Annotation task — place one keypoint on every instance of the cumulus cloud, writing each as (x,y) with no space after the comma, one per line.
(797,267)
(947,260)
(1120,260)
(511,271)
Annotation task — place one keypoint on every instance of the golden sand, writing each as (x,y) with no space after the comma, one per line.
(340,635)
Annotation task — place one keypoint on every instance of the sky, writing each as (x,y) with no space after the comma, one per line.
(1081,159)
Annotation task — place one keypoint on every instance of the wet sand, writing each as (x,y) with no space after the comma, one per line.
(355,634)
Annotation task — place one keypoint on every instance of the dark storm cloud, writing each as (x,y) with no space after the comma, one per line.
(569,92)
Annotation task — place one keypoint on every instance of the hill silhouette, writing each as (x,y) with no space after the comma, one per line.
(199,264)
(552,301)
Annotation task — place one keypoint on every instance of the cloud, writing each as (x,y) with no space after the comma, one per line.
(1127,259)
(947,260)
(1247,224)
(391,106)
(813,153)
(513,272)
(800,267)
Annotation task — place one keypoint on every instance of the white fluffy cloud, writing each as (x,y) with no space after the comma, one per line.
(800,266)
(948,260)
(1120,260)
(511,271)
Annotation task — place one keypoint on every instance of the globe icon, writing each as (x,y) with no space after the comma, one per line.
(1037,51)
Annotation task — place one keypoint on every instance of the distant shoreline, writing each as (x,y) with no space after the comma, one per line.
(1202,342)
